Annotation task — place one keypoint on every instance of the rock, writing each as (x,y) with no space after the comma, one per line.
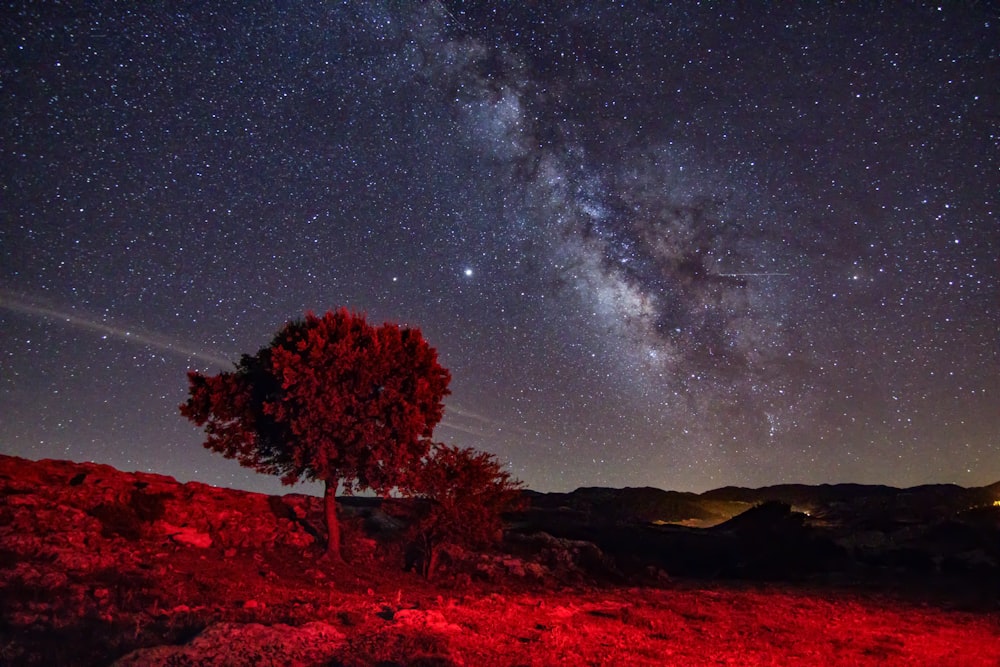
(562,556)
(251,644)
(186,535)
(515,566)
(429,619)
(57,508)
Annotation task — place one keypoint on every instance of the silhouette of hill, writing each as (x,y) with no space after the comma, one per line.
(639,504)
(647,504)
(100,566)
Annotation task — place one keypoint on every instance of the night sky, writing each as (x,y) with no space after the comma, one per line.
(655,245)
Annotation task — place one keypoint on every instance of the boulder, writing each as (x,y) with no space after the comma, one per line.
(246,644)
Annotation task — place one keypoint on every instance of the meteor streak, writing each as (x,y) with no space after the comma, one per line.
(18,304)
(740,275)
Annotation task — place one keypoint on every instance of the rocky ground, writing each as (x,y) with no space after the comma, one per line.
(103,567)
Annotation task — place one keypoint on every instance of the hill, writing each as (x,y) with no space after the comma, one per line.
(711,507)
(99,566)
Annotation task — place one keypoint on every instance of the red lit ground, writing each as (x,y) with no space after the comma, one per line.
(396,618)
(92,571)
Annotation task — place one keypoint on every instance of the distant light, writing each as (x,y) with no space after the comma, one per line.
(468,273)
(996,503)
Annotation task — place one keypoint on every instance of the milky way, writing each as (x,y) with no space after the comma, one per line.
(668,245)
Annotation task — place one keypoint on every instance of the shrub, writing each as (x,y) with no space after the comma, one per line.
(465,493)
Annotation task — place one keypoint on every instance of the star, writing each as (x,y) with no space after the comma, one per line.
(635,236)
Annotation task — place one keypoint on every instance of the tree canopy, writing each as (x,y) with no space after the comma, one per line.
(466,492)
(332,399)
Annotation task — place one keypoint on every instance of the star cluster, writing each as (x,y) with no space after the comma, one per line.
(671,245)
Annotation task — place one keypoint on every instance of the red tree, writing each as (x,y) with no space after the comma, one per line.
(466,492)
(331,399)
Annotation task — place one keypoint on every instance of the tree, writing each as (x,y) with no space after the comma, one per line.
(331,399)
(465,493)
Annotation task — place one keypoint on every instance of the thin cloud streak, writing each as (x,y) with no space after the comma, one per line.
(33,307)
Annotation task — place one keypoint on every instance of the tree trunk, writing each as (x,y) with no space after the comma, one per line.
(432,562)
(332,523)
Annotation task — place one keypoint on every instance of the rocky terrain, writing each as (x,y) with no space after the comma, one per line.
(935,535)
(100,567)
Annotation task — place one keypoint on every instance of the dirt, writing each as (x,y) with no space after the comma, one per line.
(80,589)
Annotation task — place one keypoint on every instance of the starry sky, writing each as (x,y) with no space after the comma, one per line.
(681,245)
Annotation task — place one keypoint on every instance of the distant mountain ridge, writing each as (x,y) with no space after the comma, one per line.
(649,504)
(825,492)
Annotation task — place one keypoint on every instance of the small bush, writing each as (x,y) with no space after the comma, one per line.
(148,507)
(127,519)
(117,520)
(465,494)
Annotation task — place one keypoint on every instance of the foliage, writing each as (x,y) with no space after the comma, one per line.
(331,398)
(127,519)
(466,492)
